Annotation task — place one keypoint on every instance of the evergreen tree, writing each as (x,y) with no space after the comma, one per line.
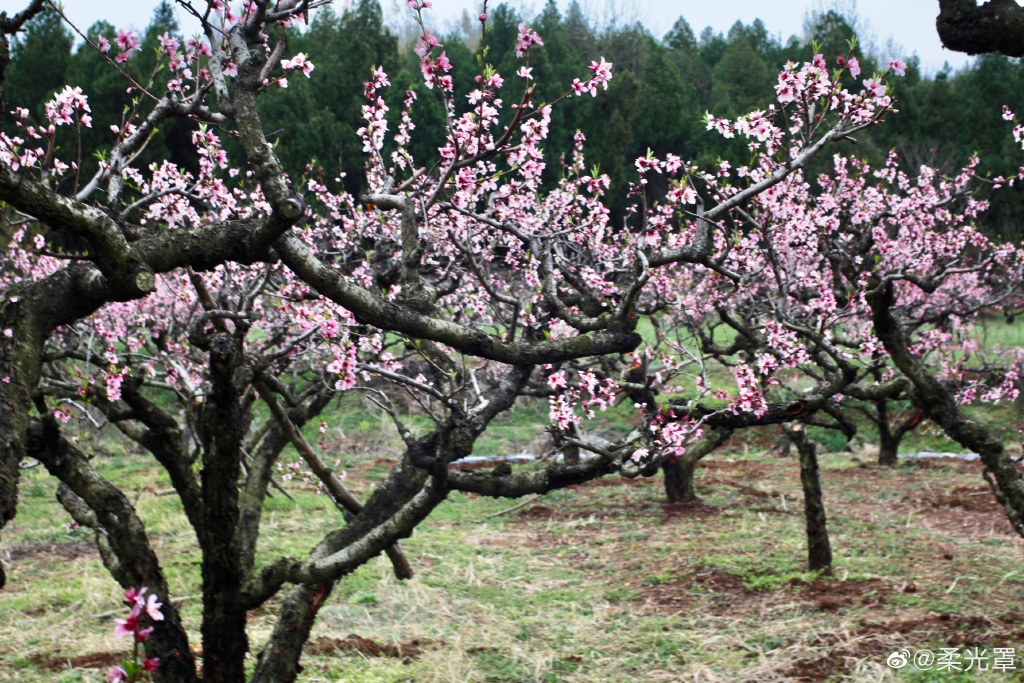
(344,49)
(741,80)
(39,62)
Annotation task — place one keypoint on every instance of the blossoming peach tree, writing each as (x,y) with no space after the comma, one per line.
(209,314)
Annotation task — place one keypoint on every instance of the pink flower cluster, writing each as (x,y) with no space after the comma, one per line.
(128,43)
(68,107)
(591,393)
(376,124)
(602,73)
(298,63)
(434,70)
(134,670)
(527,39)
(61,109)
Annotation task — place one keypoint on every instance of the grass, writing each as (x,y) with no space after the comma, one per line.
(595,584)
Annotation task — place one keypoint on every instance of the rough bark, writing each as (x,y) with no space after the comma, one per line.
(996,26)
(223,425)
(9,25)
(679,486)
(279,661)
(343,499)
(679,470)
(163,439)
(264,455)
(401,502)
(371,309)
(126,534)
(891,436)
(819,549)
(411,491)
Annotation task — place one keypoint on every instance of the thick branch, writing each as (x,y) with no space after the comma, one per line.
(373,310)
(343,498)
(996,26)
(941,406)
(127,537)
(553,477)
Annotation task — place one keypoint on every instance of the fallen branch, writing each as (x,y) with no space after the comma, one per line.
(514,507)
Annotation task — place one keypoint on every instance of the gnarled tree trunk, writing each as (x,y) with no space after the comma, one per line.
(679,470)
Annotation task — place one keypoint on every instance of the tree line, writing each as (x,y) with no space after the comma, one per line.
(662,89)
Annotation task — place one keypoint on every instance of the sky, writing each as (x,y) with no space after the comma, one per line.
(908,25)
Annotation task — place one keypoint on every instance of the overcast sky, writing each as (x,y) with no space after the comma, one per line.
(909,24)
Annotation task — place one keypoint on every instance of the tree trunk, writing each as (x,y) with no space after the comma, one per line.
(223,426)
(136,563)
(888,444)
(889,438)
(279,661)
(819,549)
(678,473)
(679,470)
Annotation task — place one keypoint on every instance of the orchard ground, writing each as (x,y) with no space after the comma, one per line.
(600,582)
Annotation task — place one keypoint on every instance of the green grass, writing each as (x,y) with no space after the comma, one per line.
(604,586)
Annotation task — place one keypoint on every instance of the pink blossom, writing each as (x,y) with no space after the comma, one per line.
(527,38)
(127,626)
(854,66)
(128,43)
(876,88)
(425,43)
(558,380)
(380,79)
(103,44)
(898,67)
(602,72)
(134,596)
(299,62)
(168,44)
(116,674)
(443,63)
(153,608)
